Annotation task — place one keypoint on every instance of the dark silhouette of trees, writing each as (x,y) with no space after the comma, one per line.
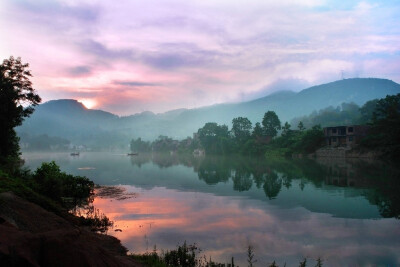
(242,180)
(17,101)
(214,137)
(301,126)
(138,145)
(286,129)
(384,134)
(272,185)
(271,124)
(241,129)
(367,111)
(257,131)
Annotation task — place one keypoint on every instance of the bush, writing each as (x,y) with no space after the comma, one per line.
(50,181)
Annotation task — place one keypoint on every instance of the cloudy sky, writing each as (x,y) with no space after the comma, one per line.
(129,56)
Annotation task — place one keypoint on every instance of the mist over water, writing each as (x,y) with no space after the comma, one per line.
(342,211)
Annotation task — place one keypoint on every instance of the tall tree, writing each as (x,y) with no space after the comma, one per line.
(367,111)
(301,126)
(17,101)
(384,134)
(286,129)
(257,131)
(213,137)
(271,124)
(241,128)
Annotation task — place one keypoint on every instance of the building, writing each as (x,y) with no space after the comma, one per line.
(345,136)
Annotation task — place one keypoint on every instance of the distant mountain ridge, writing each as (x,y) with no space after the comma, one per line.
(71,120)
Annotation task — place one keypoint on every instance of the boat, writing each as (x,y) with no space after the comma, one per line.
(133,154)
(75,154)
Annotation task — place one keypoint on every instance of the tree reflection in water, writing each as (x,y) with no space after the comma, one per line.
(380,181)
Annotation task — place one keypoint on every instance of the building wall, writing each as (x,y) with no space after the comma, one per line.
(345,135)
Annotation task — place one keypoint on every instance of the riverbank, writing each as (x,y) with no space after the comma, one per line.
(33,236)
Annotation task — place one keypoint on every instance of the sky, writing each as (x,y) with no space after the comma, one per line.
(130,56)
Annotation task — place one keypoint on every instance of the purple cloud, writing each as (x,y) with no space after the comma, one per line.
(134,83)
(80,70)
(228,51)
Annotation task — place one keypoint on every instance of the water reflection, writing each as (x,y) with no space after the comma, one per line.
(334,209)
(377,182)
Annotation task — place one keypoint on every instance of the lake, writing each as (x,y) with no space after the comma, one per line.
(344,212)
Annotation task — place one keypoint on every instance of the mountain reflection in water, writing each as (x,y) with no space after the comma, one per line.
(345,212)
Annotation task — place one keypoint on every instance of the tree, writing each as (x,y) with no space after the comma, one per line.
(241,128)
(311,140)
(257,131)
(286,129)
(214,138)
(301,126)
(271,124)
(139,145)
(384,134)
(367,111)
(17,101)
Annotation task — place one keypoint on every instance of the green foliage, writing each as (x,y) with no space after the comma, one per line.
(252,147)
(279,152)
(241,129)
(257,131)
(295,141)
(139,145)
(44,142)
(271,124)
(345,114)
(310,140)
(384,134)
(367,111)
(49,181)
(20,186)
(215,138)
(286,129)
(300,126)
(17,98)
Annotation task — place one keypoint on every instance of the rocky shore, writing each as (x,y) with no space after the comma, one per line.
(32,236)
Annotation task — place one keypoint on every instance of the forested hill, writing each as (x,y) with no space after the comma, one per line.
(71,120)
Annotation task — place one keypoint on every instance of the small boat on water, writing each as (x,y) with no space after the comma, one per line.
(133,154)
(75,154)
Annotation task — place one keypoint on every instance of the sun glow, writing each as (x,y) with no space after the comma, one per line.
(88,103)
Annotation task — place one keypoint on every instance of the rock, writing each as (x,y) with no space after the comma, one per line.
(32,236)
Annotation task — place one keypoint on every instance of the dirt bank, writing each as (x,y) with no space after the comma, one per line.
(32,236)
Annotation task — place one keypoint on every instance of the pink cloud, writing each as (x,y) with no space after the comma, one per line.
(198,53)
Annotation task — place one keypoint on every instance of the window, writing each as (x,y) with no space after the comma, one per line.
(350,138)
(350,129)
(334,131)
(333,139)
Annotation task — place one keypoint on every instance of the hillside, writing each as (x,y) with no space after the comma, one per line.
(71,120)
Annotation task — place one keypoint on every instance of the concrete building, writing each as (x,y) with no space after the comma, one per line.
(345,136)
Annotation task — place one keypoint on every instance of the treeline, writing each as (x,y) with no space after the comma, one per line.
(42,142)
(345,114)
(242,138)
(382,115)
(164,144)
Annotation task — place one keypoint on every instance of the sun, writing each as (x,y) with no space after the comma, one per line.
(88,103)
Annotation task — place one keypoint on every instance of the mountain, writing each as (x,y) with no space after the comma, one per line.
(71,120)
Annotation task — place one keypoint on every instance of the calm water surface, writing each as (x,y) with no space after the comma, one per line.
(343,212)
